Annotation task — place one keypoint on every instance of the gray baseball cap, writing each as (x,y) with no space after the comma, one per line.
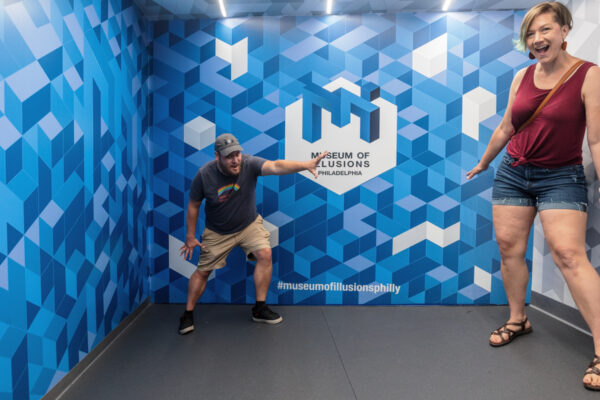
(226,144)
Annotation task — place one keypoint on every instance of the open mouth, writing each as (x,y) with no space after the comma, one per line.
(541,50)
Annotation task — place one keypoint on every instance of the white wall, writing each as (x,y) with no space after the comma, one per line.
(583,42)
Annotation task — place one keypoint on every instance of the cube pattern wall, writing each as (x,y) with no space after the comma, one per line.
(74,183)
(416,233)
(98,146)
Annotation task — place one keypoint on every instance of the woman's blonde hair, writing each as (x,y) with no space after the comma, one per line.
(562,16)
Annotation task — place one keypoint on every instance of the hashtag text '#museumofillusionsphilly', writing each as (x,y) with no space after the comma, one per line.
(340,287)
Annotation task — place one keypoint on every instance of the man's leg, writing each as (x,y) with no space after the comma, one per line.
(196,287)
(262,278)
(213,256)
(262,273)
(254,240)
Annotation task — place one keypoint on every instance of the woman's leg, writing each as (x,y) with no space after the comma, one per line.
(512,225)
(564,231)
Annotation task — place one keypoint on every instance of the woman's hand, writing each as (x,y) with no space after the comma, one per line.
(478,169)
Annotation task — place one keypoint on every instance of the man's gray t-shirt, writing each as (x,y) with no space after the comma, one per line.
(230,200)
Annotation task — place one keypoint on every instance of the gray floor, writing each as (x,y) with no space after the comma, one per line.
(338,353)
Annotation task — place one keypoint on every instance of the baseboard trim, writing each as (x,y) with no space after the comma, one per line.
(78,370)
(565,314)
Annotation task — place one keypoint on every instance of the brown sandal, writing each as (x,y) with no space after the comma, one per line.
(512,335)
(593,370)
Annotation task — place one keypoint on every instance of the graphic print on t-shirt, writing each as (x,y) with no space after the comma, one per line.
(226,191)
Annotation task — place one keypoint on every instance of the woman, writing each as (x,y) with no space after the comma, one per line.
(542,172)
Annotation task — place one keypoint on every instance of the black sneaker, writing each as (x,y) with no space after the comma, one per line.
(186,323)
(266,315)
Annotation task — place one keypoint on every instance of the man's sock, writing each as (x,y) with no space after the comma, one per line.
(259,304)
(188,313)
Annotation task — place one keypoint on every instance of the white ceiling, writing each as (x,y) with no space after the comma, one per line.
(187,9)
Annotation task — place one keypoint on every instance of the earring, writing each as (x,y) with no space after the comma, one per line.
(563,45)
(531,56)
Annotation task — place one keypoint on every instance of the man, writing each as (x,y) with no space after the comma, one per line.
(228,184)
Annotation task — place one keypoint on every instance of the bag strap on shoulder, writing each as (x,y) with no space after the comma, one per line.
(550,94)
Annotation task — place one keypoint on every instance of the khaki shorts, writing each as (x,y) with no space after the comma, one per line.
(217,247)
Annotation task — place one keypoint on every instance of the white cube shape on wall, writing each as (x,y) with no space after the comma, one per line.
(236,55)
(426,231)
(431,58)
(176,262)
(199,133)
(274,231)
(478,105)
(482,278)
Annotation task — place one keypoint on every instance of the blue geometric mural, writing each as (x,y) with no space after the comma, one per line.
(73,183)
(105,119)
(418,233)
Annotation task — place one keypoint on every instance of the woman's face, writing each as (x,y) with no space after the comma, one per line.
(545,37)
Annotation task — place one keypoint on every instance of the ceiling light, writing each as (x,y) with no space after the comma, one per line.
(222,7)
(329,6)
(446,5)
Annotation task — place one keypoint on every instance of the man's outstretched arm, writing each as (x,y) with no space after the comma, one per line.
(283,167)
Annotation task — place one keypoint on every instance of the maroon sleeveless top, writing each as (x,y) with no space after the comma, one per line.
(554,138)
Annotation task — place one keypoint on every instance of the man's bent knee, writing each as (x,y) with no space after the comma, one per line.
(263,255)
(203,275)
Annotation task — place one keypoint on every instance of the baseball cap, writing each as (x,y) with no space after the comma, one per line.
(226,144)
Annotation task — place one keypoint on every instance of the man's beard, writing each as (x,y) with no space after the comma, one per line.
(228,171)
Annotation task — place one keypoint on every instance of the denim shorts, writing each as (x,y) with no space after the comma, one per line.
(544,188)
